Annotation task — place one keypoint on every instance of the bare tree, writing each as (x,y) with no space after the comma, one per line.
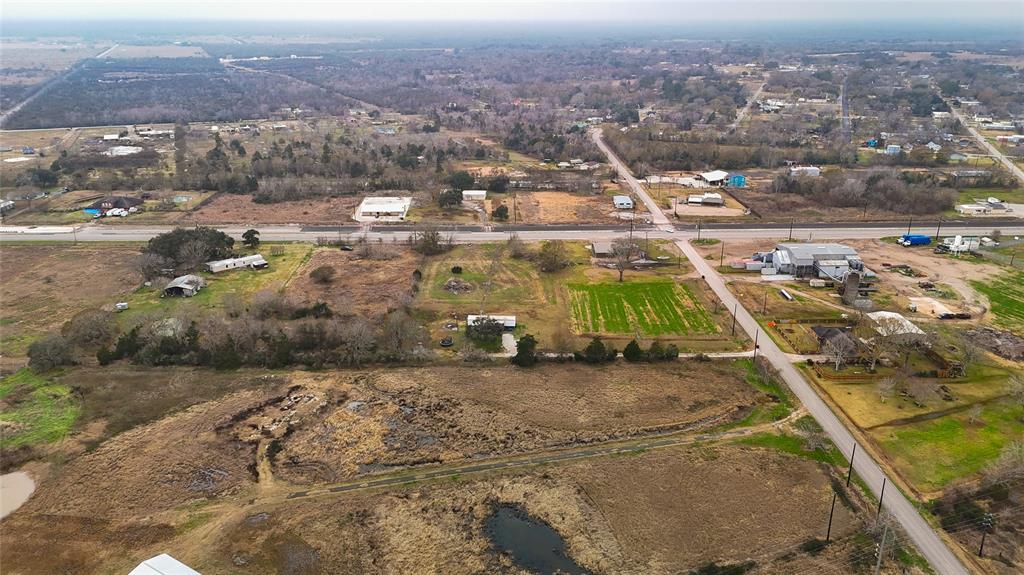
(1009,466)
(839,349)
(887,388)
(150,266)
(192,254)
(398,334)
(622,252)
(357,342)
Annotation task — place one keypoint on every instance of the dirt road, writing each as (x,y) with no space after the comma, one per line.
(924,537)
(615,447)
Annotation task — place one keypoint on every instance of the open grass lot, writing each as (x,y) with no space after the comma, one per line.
(362,286)
(238,209)
(242,283)
(646,307)
(46,285)
(934,453)
(936,443)
(1006,297)
(34,410)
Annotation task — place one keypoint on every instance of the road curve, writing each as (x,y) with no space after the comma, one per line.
(658,217)
(924,537)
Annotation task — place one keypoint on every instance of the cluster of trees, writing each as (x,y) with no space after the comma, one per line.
(101,92)
(900,192)
(185,249)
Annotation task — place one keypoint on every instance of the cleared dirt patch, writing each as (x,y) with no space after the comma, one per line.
(362,286)
(397,417)
(236,209)
(560,208)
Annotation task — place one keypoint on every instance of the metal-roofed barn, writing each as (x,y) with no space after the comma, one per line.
(383,209)
(184,286)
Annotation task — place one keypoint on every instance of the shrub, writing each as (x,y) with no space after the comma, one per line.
(526,352)
(597,352)
(485,330)
(632,351)
(323,274)
(49,352)
(500,213)
(456,270)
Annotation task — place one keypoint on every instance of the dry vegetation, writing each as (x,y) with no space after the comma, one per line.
(364,285)
(237,209)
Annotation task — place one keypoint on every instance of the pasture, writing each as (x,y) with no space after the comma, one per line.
(648,307)
(1006,298)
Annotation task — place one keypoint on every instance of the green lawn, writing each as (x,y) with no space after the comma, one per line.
(243,283)
(36,409)
(1006,296)
(650,307)
(934,453)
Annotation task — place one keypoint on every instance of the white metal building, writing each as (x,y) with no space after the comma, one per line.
(477,195)
(383,209)
(254,262)
(715,178)
(973,209)
(812,171)
(623,202)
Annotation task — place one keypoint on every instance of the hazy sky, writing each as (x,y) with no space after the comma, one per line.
(660,11)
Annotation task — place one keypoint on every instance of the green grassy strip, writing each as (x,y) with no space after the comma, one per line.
(39,410)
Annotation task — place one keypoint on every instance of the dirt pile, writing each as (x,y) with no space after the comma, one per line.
(458,286)
(1002,343)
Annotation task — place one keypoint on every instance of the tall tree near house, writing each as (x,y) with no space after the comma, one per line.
(251,238)
(839,349)
(622,251)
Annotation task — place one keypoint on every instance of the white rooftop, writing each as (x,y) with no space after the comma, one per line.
(892,323)
(385,204)
(163,564)
(714,176)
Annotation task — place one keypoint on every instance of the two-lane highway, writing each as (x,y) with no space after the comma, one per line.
(924,537)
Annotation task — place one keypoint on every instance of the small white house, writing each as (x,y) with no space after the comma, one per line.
(111,137)
(254,262)
(476,195)
(507,321)
(622,202)
(893,149)
(973,209)
(382,209)
(812,171)
(163,564)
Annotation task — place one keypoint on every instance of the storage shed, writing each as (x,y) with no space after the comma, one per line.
(383,209)
(477,195)
(623,202)
(184,286)
(507,321)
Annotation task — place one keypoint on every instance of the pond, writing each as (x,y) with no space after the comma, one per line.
(15,489)
(532,544)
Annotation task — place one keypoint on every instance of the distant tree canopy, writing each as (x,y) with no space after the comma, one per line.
(189,247)
(449,198)
(461,180)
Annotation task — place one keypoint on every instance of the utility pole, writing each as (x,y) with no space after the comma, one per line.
(791,229)
(764,306)
(698,230)
(849,472)
(938,228)
(881,496)
(757,332)
(987,522)
(910,224)
(721,260)
(734,310)
(881,549)
(828,534)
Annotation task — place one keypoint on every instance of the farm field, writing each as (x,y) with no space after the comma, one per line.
(646,307)
(1006,296)
(34,410)
(156,51)
(55,282)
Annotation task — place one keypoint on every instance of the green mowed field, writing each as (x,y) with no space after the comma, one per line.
(932,454)
(651,308)
(1006,295)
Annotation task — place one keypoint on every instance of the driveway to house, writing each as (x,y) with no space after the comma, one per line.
(920,532)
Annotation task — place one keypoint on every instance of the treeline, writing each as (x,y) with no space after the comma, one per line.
(162,90)
(900,192)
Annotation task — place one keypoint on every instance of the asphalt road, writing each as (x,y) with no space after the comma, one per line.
(658,217)
(924,537)
(472,234)
(998,155)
